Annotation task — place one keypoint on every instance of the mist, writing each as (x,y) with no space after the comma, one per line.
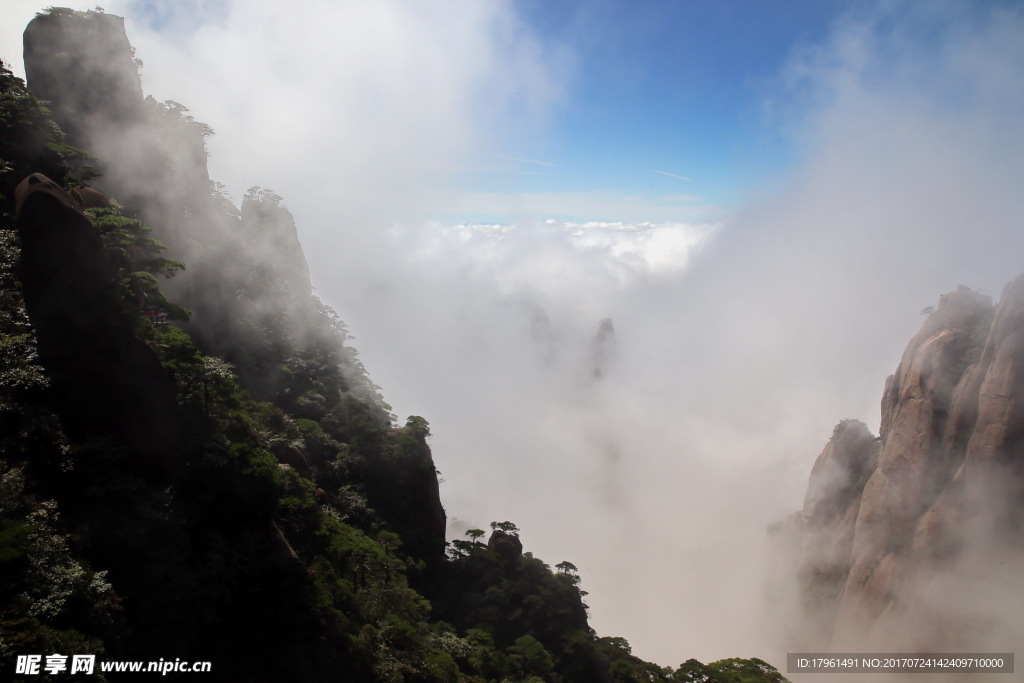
(654,462)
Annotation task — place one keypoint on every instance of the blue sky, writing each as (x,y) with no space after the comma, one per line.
(664,87)
(686,104)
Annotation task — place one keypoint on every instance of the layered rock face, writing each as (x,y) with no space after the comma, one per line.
(908,540)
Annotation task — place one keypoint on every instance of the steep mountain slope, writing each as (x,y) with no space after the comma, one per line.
(248,285)
(912,540)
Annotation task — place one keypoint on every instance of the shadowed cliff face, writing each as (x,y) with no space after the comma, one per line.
(109,383)
(905,541)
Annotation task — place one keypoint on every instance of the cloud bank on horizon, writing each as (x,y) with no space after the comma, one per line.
(743,332)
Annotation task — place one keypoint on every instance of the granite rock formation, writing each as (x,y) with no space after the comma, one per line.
(901,537)
(505,544)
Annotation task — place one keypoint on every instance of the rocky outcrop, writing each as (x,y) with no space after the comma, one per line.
(82,63)
(505,544)
(936,501)
(401,485)
(82,335)
(288,454)
(151,157)
(90,198)
(269,233)
(826,524)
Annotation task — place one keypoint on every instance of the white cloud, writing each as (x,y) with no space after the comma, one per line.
(350,110)
(600,205)
(521,161)
(672,175)
(535,258)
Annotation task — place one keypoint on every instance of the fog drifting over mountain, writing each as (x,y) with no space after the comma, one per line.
(738,345)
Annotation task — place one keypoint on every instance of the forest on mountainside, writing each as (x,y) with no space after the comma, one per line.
(194,462)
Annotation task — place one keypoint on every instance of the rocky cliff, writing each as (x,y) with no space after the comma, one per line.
(247,283)
(83,336)
(82,64)
(907,539)
(87,56)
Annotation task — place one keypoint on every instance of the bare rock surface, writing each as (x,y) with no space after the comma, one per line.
(890,526)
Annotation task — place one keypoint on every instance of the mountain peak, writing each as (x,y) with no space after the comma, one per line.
(886,522)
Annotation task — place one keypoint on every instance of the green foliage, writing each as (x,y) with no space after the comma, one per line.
(262,196)
(56,11)
(29,430)
(527,658)
(460,549)
(418,426)
(733,670)
(206,389)
(137,258)
(48,598)
(567,568)
(507,527)
(170,114)
(626,667)
(31,142)
(19,368)
(522,619)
